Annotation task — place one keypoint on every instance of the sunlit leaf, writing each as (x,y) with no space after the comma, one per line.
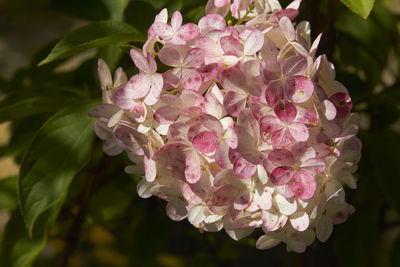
(360,7)
(60,149)
(96,34)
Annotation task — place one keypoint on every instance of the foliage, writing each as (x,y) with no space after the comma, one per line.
(72,206)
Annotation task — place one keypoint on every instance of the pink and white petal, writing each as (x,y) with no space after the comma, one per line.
(303,185)
(171,100)
(233,79)
(314,166)
(281,175)
(315,44)
(176,20)
(189,31)
(231,138)
(234,103)
(115,118)
(206,142)
(166,114)
(294,65)
(104,111)
(221,3)
(244,169)
(104,75)
(191,79)
(121,101)
(286,112)
(144,189)
(242,200)
(300,221)
(137,87)
(152,63)
(140,60)
(176,210)
(194,58)
(269,219)
(111,148)
(263,201)
(150,169)
(267,242)
(253,43)
(231,46)
(170,56)
(212,22)
(221,156)
(281,157)
(196,215)
(303,89)
(270,124)
(299,131)
(324,228)
(163,30)
(281,138)
(176,40)
(157,83)
(287,28)
(192,167)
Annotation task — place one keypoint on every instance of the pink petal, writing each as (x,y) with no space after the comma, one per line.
(166,114)
(303,88)
(137,87)
(231,46)
(234,103)
(286,112)
(231,138)
(212,22)
(140,60)
(191,79)
(194,58)
(104,111)
(111,148)
(270,124)
(287,28)
(163,30)
(244,169)
(269,220)
(242,200)
(300,221)
(281,138)
(342,103)
(281,175)
(220,3)
(206,142)
(314,166)
(176,20)
(150,169)
(176,210)
(253,43)
(170,56)
(294,65)
(189,31)
(152,63)
(299,131)
(303,185)
(222,157)
(104,75)
(233,79)
(281,157)
(192,167)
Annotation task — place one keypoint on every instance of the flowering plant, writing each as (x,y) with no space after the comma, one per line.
(246,128)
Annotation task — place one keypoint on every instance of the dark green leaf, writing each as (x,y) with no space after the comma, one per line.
(360,7)
(395,254)
(27,103)
(116,8)
(96,34)
(382,150)
(8,193)
(60,149)
(17,248)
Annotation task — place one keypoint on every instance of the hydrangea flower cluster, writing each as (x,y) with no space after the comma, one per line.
(246,128)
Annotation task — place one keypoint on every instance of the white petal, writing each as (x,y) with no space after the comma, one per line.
(285,206)
(266,242)
(324,228)
(300,221)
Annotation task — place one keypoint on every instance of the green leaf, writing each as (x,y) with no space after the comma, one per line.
(26,103)
(60,149)
(96,34)
(360,7)
(116,8)
(382,150)
(17,248)
(8,193)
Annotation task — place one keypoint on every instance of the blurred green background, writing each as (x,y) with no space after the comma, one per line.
(104,223)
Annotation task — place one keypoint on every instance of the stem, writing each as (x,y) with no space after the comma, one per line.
(75,230)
